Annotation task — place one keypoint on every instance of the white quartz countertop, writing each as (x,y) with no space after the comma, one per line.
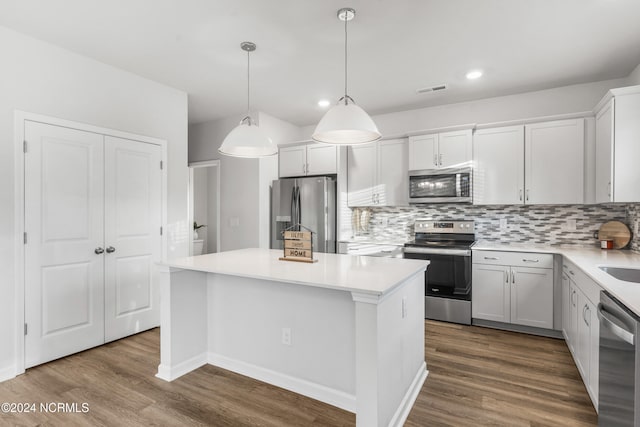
(369,275)
(588,259)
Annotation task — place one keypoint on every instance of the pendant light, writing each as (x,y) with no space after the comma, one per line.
(346,123)
(246,139)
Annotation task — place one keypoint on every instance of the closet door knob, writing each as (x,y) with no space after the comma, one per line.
(98,251)
(111,249)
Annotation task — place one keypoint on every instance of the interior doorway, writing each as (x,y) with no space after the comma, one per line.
(204,207)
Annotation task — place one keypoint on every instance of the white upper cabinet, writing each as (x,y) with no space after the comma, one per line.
(321,159)
(554,162)
(423,152)
(604,153)
(292,160)
(498,174)
(440,150)
(618,147)
(309,159)
(540,163)
(393,177)
(377,174)
(454,148)
(361,174)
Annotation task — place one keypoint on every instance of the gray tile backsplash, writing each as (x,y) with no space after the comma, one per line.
(633,221)
(549,224)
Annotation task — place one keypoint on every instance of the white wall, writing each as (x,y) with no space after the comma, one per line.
(40,78)
(567,99)
(634,77)
(244,183)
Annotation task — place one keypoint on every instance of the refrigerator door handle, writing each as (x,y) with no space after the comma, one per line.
(299,218)
(293,206)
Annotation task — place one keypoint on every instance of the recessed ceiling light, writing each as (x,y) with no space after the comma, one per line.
(474,74)
(324,103)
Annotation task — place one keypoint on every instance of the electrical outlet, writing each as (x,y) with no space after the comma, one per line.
(636,228)
(286,336)
(570,225)
(384,221)
(404,307)
(504,223)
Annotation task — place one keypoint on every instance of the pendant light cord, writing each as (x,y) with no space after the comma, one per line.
(248,84)
(345,57)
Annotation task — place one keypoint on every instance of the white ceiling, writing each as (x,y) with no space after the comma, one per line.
(395,47)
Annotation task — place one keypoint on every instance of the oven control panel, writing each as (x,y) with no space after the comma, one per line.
(455,227)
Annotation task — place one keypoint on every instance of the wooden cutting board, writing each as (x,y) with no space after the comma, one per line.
(616,231)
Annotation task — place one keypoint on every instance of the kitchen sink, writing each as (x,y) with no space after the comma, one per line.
(626,274)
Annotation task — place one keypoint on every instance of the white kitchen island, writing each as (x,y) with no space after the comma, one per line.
(346,330)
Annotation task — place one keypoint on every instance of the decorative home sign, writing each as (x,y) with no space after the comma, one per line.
(298,245)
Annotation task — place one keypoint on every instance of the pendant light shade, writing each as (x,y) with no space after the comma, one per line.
(346,123)
(247,139)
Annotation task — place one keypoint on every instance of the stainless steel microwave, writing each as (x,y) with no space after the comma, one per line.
(452,185)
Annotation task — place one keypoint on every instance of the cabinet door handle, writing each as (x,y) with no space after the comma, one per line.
(513,277)
(491,257)
(587,316)
(440,159)
(506,276)
(521,194)
(565,277)
(573,302)
(530,260)
(527,194)
(609,189)
(572,273)
(98,250)
(435,160)
(584,318)
(111,249)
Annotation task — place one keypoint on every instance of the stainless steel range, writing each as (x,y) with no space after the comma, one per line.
(447,245)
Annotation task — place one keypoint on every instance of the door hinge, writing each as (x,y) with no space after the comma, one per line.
(161,164)
(24,237)
(26,328)
(24,146)
(161,231)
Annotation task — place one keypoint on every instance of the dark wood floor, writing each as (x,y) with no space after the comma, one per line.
(477,376)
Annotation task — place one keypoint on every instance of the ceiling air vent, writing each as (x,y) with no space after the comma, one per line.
(435,88)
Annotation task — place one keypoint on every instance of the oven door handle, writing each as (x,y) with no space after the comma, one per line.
(432,251)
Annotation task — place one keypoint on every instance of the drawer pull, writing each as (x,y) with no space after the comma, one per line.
(530,260)
(491,258)
(572,273)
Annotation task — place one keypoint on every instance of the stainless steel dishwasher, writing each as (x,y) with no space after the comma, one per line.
(619,396)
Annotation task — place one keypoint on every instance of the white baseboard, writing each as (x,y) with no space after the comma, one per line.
(7,373)
(401,414)
(319,392)
(169,373)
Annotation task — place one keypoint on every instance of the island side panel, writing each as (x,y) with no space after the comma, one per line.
(183,322)
(390,364)
(246,321)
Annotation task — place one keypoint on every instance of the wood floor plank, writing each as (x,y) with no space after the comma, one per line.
(477,377)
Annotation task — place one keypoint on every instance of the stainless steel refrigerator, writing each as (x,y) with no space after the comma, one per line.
(310,202)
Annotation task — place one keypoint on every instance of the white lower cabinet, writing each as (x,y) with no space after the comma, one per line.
(506,289)
(580,298)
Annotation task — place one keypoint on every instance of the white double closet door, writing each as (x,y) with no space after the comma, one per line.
(92,218)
